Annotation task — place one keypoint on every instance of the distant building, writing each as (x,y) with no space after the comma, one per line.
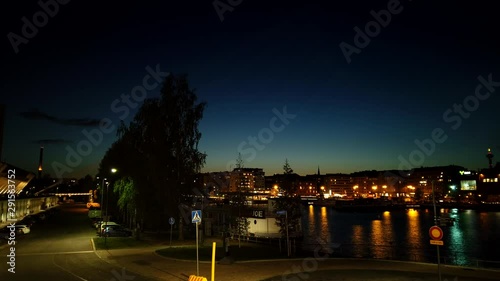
(217,182)
(338,185)
(488,183)
(309,185)
(443,178)
(22,178)
(449,183)
(248,180)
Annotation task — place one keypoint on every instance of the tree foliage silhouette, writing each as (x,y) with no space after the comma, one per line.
(158,152)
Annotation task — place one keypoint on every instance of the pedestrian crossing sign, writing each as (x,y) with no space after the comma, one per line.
(196,216)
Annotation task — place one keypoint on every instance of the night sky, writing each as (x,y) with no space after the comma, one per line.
(270,70)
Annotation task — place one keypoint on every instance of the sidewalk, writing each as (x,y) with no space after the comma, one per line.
(147,263)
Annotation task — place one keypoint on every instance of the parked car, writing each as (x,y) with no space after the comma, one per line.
(99,222)
(117,231)
(101,226)
(22,229)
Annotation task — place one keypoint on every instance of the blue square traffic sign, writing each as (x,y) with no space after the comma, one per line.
(196,216)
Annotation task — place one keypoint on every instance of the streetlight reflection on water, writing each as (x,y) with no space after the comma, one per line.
(404,234)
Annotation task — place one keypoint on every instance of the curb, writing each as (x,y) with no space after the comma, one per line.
(424,263)
(246,261)
(93,248)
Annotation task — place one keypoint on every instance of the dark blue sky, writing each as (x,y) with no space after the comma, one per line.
(264,56)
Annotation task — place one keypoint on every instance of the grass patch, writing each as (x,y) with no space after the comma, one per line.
(246,252)
(119,243)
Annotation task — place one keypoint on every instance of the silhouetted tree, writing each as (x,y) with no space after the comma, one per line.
(127,199)
(85,184)
(289,202)
(158,151)
(239,162)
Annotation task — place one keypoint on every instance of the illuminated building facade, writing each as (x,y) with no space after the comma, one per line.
(488,184)
(248,180)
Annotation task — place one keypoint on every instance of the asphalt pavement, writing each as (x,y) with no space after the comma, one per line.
(58,248)
(147,263)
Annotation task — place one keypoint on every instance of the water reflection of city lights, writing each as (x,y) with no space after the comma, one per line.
(325,224)
(377,235)
(323,213)
(311,214)
(412,213)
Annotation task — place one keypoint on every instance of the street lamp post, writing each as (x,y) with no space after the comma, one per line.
(436,223)
(113,170)
(284,212)
(102,194)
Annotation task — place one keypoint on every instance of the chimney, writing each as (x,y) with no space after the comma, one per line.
(40,167)
(2,121)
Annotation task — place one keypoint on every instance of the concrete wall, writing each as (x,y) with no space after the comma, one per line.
(26,206)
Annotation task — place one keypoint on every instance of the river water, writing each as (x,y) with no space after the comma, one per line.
(473,240)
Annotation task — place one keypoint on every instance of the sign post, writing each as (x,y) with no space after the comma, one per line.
(171,221)
(196,219)
(436,233)
(288,248)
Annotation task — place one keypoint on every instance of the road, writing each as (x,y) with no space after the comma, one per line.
(59,248)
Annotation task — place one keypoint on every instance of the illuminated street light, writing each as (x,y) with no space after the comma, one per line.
(113,170)
(101,193)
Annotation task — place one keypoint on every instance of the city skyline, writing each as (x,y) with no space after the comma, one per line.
(307,83)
